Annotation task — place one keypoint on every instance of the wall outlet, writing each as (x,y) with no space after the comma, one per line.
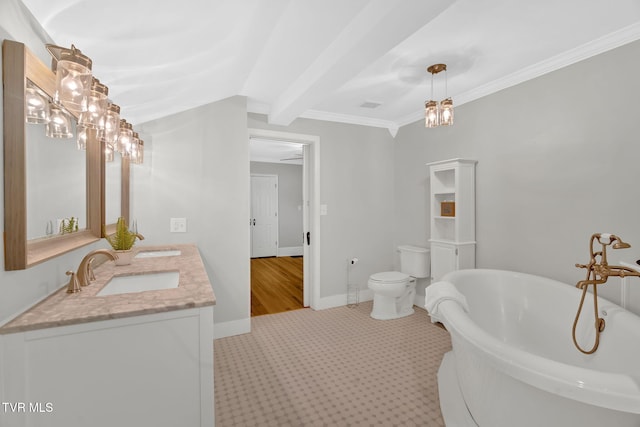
(178,225)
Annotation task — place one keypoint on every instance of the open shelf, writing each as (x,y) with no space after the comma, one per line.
(452,237)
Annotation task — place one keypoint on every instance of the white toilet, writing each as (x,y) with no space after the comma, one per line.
(394,291)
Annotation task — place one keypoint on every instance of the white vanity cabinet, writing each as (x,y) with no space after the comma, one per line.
(134,358)
(150,370)
(452,209)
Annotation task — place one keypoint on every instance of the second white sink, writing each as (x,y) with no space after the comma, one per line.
(140,283)
(158,253)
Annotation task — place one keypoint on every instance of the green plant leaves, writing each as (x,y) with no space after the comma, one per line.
(123,239)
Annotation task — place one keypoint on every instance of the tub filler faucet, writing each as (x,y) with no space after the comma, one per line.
(598,272)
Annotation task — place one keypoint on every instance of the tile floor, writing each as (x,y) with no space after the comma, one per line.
(335,367)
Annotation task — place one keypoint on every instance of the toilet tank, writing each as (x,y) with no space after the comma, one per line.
(415,261)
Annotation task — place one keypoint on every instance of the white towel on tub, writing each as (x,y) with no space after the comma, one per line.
(442,291)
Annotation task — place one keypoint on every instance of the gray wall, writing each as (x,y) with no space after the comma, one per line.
(356,184)
(197,167)
(290,231)
(557,161)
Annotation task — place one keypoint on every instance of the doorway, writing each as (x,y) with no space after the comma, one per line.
(310,205)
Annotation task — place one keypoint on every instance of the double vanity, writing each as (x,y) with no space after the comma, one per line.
(135,347)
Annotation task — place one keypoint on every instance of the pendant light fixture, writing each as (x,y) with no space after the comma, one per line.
(111,125)
(81,137)
(125,138)
(140,156)
(59,124)
(93,116)
(73,77)
(135,148)
(36,105)
(438,114)
(108,153)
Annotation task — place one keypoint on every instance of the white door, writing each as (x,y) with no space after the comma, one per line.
(264,215)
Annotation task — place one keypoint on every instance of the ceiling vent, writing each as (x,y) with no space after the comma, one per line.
(370,104)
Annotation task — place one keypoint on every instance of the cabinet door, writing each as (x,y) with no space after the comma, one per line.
(443,260)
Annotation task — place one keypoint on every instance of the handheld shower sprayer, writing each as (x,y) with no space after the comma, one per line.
(597,274)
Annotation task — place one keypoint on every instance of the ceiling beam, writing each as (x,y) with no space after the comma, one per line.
(378,28)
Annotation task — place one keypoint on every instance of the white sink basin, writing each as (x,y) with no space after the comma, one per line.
(140,283)
(158,253)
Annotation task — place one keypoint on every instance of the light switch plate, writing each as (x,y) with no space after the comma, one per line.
(178,225)
(323,209)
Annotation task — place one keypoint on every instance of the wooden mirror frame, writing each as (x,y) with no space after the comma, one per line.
(19,65)
(125,170)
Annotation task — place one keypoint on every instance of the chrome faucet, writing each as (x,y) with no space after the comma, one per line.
(597,274)
(85,272)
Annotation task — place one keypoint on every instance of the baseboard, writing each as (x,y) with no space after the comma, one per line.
(341,300)
(291,251)
(243,326)
(231,328)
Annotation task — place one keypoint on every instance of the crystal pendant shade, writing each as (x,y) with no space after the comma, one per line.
(36,105)
(111,125)
(78,93)
(125,138)
(59,124)
(431,114)
(94,114)
(446,112)
(81,140)
(438,113)
(73,77)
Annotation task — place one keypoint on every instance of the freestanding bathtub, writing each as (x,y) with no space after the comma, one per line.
(513,361)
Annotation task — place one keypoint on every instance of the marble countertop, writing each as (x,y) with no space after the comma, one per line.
(61,308)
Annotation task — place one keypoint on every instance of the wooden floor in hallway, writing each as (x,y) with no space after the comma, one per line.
(276,285)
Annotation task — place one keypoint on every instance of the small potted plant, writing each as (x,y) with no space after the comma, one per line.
(122,241)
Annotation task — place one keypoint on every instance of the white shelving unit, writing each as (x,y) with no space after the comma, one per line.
(453,238)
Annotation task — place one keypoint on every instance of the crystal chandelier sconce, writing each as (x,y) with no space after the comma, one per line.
(97,103)
(59,124)
(111,125)
(133,150)
(108,152)
(125,138)
(438,114)
(73,77)
(79,94)
(140,156)
(36,105)
(137,149)
(81,139)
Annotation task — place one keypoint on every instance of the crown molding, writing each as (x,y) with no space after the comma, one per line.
(603,44)
(391,126)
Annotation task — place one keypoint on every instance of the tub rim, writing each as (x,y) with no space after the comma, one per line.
(607,390)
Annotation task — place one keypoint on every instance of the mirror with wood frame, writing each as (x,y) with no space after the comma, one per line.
(24,244)
(114,190)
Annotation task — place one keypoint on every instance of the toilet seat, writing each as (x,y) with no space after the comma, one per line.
(390,277)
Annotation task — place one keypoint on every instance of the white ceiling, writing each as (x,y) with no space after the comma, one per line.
(324,59)
(273,151)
